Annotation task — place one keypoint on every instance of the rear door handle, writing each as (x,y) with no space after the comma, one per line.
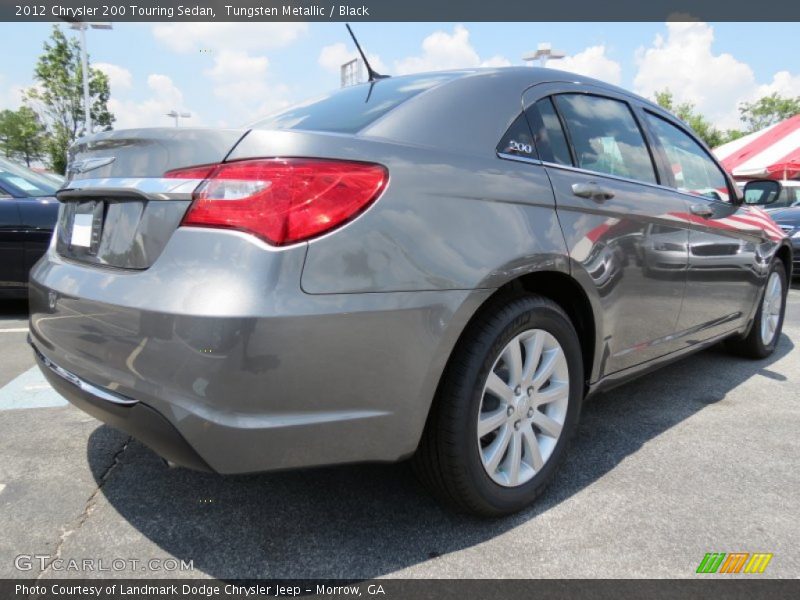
(593,191)
(702,210)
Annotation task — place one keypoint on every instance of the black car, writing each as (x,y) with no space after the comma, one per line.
(789,221)
(28,213)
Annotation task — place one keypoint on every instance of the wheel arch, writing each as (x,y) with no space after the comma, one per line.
(784,253)
(562,289)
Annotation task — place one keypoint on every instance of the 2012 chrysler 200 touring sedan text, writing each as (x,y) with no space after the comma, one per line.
(440,266)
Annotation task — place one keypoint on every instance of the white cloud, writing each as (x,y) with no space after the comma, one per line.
(151,112)
(592,62)
(783,83)
(684,61)
(10,95)
(194,37)
(119,77)
(241,81)
(332,57)
(239,74)
(442,50)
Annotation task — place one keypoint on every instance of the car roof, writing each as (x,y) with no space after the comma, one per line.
(529,76)
(488,99)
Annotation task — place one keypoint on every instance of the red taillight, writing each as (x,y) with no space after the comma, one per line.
(283,200)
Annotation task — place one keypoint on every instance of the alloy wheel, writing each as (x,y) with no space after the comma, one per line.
(523,407)
(771,308)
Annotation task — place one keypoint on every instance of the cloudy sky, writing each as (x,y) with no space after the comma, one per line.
(228,74)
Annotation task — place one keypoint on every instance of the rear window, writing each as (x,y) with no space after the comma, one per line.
(351,109)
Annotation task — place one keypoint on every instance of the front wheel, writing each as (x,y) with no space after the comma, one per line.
(508,403)
(763,336)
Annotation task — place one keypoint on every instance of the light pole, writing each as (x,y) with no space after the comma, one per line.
(178,115)
(544,52)
(82,26)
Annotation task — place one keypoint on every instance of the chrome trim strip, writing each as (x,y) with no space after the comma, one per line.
(81,384)
(552,165)
(153,188)
(657,186)
(608,176)
(522,159)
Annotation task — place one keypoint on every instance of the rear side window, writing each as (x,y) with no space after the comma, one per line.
(518,139)
(351,109)
(694,171)
(605,136)
(548,133)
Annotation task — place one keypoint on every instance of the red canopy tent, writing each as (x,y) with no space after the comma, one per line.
(785,170)
(772,153)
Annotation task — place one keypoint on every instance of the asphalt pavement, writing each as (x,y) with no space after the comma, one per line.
(702,456)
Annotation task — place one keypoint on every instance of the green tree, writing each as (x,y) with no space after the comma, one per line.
(22,134)
(57,97)
(697,122)
(732,134)
(768,110)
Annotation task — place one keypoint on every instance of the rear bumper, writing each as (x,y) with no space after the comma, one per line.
(134,418)
(218,340)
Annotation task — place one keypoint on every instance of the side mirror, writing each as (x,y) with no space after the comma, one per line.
(762,191)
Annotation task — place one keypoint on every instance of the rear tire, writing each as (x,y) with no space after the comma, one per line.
(465,466)
(765,332)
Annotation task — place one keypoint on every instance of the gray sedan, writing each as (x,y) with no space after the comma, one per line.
(439,266)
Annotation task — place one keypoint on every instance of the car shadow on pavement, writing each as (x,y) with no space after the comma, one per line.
(364,521)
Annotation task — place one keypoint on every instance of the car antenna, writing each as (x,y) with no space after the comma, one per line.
(373,75)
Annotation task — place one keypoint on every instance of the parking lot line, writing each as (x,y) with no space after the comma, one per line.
(14,330)
(29,390)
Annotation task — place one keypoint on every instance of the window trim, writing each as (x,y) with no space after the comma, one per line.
(573,169)
(607,175)
(671,183)
(522,159)
(634,116)
(533,108)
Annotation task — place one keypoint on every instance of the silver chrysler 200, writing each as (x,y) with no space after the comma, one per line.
(439,266)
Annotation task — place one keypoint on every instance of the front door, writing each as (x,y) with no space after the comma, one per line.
(725,273)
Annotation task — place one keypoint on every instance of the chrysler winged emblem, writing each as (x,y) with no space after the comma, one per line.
(89,164)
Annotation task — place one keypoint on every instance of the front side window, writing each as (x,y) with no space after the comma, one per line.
(605,136)
(694,171)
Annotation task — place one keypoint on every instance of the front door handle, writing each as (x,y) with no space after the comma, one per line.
(593,191)
(702,210)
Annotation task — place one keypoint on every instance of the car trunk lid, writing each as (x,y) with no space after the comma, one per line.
(118,209)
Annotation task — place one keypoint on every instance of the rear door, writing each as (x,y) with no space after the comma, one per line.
(724,237)
(617,219)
